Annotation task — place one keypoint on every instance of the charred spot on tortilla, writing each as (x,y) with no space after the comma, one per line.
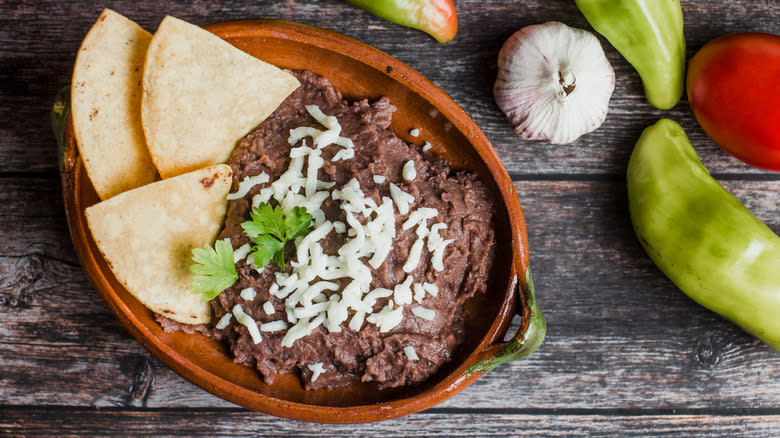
(207,182)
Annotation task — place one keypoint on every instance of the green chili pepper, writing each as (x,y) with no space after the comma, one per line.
(437,18)
(700,236)
(649,34)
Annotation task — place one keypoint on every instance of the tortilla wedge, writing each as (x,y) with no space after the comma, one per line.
(106,105)
(146,236)
(201,95)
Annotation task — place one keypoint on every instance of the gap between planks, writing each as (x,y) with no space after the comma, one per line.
(604,412)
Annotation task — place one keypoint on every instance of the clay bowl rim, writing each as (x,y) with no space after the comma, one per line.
(456,380)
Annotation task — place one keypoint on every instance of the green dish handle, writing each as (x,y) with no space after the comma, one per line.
(60,110)
(526,340)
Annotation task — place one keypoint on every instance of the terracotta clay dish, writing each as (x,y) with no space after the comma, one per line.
(359,71)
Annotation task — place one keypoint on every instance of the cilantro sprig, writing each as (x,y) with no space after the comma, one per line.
(271,228)
(214,268)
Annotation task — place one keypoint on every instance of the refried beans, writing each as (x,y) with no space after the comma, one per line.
(417,346)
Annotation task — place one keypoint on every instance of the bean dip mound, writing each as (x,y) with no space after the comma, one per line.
(368,295)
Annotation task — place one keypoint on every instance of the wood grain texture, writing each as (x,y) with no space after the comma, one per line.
(627,354)
(434,423)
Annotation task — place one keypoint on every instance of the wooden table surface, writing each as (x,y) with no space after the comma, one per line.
(626,353)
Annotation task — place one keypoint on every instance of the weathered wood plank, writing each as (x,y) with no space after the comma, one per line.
(620,334)
(39,42)
(439,423)
(627,354)
(32,219)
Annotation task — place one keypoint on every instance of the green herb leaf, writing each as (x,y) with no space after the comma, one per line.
(265,220)
(297,223)
(214,268)
(271,228)
(267,246)
(279,259)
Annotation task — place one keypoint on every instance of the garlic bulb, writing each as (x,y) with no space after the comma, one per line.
(554,82)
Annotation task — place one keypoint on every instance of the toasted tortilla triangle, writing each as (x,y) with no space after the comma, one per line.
(201,95)
(146,236)
(106,105)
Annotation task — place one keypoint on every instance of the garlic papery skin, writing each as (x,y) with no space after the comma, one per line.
(554,82)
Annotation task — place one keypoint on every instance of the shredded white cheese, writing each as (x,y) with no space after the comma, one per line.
(409,172)
(247,184)
(332,328)
(312,168)
(357,321)
(424,313)
(426,146)
(379,179)
(324,138)
(402,199)
(310,310)
(344,154)
(402,293)
(421,289)
(241,252)
(224,321)
(263,197)
(382,232)
(387,318)
(431,288)
(436,246)
(419,292)
(337,313)
(268,308)
(302,328)
(247,322)
(290,317)
(420,217)
(410,353)
(370,299)
(414,132)
(274,326)
(316,369)
(248,294)
(339,226)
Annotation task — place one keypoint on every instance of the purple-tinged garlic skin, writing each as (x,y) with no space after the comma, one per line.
(554,82)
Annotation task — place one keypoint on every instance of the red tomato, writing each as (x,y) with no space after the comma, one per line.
(734,91)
